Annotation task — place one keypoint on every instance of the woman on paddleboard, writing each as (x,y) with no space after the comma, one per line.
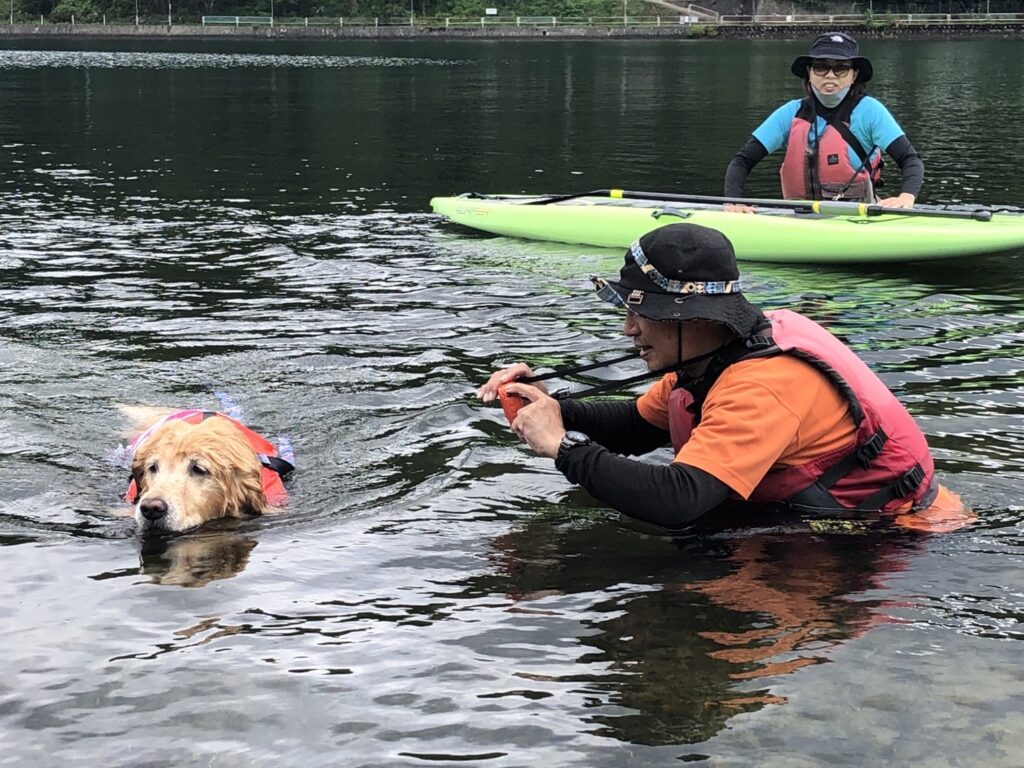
(833,137)
(759,406)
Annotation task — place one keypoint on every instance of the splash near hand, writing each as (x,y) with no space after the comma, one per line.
(510,403)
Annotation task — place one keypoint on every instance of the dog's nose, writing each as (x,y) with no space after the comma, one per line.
(153,509)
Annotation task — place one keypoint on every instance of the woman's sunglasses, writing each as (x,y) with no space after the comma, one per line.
(822,68)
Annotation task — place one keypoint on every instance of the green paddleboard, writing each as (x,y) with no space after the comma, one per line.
(778,234)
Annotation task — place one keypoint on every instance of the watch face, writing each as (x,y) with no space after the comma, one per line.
(570,441)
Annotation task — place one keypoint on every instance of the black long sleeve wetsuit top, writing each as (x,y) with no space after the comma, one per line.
(669,495)
(753,152)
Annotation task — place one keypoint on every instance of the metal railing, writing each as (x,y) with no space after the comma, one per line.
(463,22)
(239,21)
(893,19)
(451,22)
(498,22)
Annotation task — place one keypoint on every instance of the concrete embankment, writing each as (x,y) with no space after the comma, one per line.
(560,32)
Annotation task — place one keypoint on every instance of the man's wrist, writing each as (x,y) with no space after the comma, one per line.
(571,439)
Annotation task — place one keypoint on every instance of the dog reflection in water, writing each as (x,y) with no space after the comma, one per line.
(190,467)
(194,559)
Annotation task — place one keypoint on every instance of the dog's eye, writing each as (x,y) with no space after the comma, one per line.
(151,468)
(198,471)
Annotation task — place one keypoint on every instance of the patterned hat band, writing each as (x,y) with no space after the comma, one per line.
(687,287)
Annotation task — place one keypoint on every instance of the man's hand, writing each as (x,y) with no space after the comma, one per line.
(489,390)
(539,422)
(902,200)
(738,208)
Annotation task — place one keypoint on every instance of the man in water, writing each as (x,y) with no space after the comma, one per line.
(765,407)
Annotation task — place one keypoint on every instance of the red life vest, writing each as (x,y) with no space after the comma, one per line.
(823,171)
(886,465)
(274,466)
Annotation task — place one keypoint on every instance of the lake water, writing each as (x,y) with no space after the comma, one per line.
(179,220)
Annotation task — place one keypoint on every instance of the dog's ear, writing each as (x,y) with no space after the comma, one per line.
(139,461)
(137,477)
(249,497)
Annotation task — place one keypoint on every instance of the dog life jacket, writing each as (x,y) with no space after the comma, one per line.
(886,465)
(274,466)
(822,170)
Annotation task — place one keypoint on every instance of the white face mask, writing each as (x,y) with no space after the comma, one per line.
(831,99)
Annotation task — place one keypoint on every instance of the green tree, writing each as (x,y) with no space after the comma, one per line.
(84,11)
(33,9)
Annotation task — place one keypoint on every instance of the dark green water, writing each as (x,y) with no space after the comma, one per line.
(253,220)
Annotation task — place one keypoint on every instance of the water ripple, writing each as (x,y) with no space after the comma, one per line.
(433,592)
(171,61)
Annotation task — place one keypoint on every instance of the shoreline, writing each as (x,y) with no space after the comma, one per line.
(781,31)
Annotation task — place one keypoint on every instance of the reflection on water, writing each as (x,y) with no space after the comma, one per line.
(770,604)
(195,559)
(175,225)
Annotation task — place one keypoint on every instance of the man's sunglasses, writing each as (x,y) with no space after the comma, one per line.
(822,68)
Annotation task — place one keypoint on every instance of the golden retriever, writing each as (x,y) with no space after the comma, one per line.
(187,471)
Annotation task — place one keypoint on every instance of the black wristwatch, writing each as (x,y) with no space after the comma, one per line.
(569,441)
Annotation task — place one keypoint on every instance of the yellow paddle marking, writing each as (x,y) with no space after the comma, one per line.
(616,193)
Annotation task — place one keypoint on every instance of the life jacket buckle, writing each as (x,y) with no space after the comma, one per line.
(871,448)
(909,482)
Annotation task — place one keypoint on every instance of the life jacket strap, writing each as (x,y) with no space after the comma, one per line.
(277,464)
(864,454)
(900,488)
(755,345)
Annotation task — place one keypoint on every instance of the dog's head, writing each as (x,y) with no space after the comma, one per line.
(189,473)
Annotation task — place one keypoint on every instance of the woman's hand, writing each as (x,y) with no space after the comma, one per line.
(738,208)
(902,200)
(489,390)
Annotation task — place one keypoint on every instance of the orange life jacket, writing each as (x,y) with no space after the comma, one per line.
(822,170)
(887,464)
(274,466)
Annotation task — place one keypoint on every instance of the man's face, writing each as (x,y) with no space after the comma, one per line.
(658,341)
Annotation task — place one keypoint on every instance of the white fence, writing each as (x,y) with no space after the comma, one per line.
(484,22)
(878,18)
(450,22)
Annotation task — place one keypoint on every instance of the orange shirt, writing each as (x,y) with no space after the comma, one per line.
(764,413)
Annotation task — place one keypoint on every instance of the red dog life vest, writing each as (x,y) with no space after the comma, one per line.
(824,172)
(274,466)
(887,464)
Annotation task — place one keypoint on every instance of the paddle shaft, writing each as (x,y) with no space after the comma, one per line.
(826,207)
